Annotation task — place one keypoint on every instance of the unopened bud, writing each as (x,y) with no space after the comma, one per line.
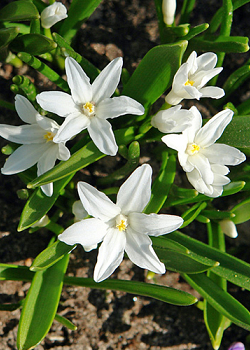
(53,14)
(229,228)
(168,11)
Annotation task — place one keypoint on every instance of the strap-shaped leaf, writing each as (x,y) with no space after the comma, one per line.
(11,272)
(80,159)
(237,133)
(155,73)
(166,294)
(22,10)
(34,44)
(226,44)
(222,301)
(39,204)
(7,35)
(231,268)
(40,305)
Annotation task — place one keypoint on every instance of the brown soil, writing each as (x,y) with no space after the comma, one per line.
(106,320)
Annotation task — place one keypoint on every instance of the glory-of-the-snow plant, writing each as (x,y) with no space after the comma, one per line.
(37,142)
(201,158)
(192,76)
(121,227)
(53,14)
(168,11)
(89,105)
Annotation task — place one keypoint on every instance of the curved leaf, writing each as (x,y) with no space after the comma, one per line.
(34,44)
(22,10)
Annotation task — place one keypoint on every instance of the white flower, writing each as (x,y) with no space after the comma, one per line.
(202,159)
(89,106)
(228,228)
(37,142)
(173,119)
(53,14)
(168,11)
(121,226)
(192,76)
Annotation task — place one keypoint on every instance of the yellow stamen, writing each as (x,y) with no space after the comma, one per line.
(193,148)
(89,106)
(121,226)
(48,136)
(189,83)
(121,222)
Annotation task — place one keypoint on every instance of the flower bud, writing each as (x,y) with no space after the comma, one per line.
(53,14)
(168,11)
(237,346)
(228,228)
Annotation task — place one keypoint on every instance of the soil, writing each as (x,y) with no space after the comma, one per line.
(109,320)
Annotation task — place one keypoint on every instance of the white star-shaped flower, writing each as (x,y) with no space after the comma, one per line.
(53,14)
(37,142)
(203,160)
(191,77)
(121,226)
(89,105)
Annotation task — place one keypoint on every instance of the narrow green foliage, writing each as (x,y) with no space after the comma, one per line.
(227,44)
(65,322)
(22,10)
(186,10)
(191,214)
(7,35)
(28,43)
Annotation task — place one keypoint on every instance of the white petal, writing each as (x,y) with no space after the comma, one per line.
(53,14)
(192,92)
(177,142)
(100,130)
(214,128)
(47,189)
(78,81)
(172,98)
(206,61)
(201,163)
(116,106)
(224,154)
(25,109)
(23,158)
(110,254)
(219,169)
(85,232)
(212,92)
(195,125)
(23,134)
(97,203)
(57,102)
(198,183)
(47,123)
(140,252)
(202,77)
(192,62)
(135,192)
(48,159)
(63,152)
(79,211)
(71,126)
(106,82)
(154,224)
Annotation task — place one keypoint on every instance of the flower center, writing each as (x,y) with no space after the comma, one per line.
(89,109)
(121,222)
(192,148)
(48,136)
(189,83)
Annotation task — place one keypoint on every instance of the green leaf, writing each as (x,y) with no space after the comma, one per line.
(50,256)
(40,305)
(196,31)
(217,214)
(79,12)
(166,294)
(222,301)
(191,214)
(236,79)
(21,10)
(226,44)
(237,133)
(155,73)
(39,204)
(65,322)
(162,184)
(10,307)
(7,35)
(29,43)
(182,263)
(80,159)
(44,69)
(241,212)
(230,268)
(15,273)
(161,242)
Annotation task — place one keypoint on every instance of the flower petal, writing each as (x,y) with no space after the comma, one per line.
(23,158)
(140,251)
(135,192)
(212,92)
(177,142)
(106,82)
(78,81)
(213,129)
(192,92)
(201,163)
(198,183)
(206,61)
(71,126)
(85,232)
(100,130)
(116,106)
(97,203)
(23,134)
(53,14)
(25,109)
(57,102)
(154,224)
(47,123)
(110,254)
(63,152)
(223,154)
